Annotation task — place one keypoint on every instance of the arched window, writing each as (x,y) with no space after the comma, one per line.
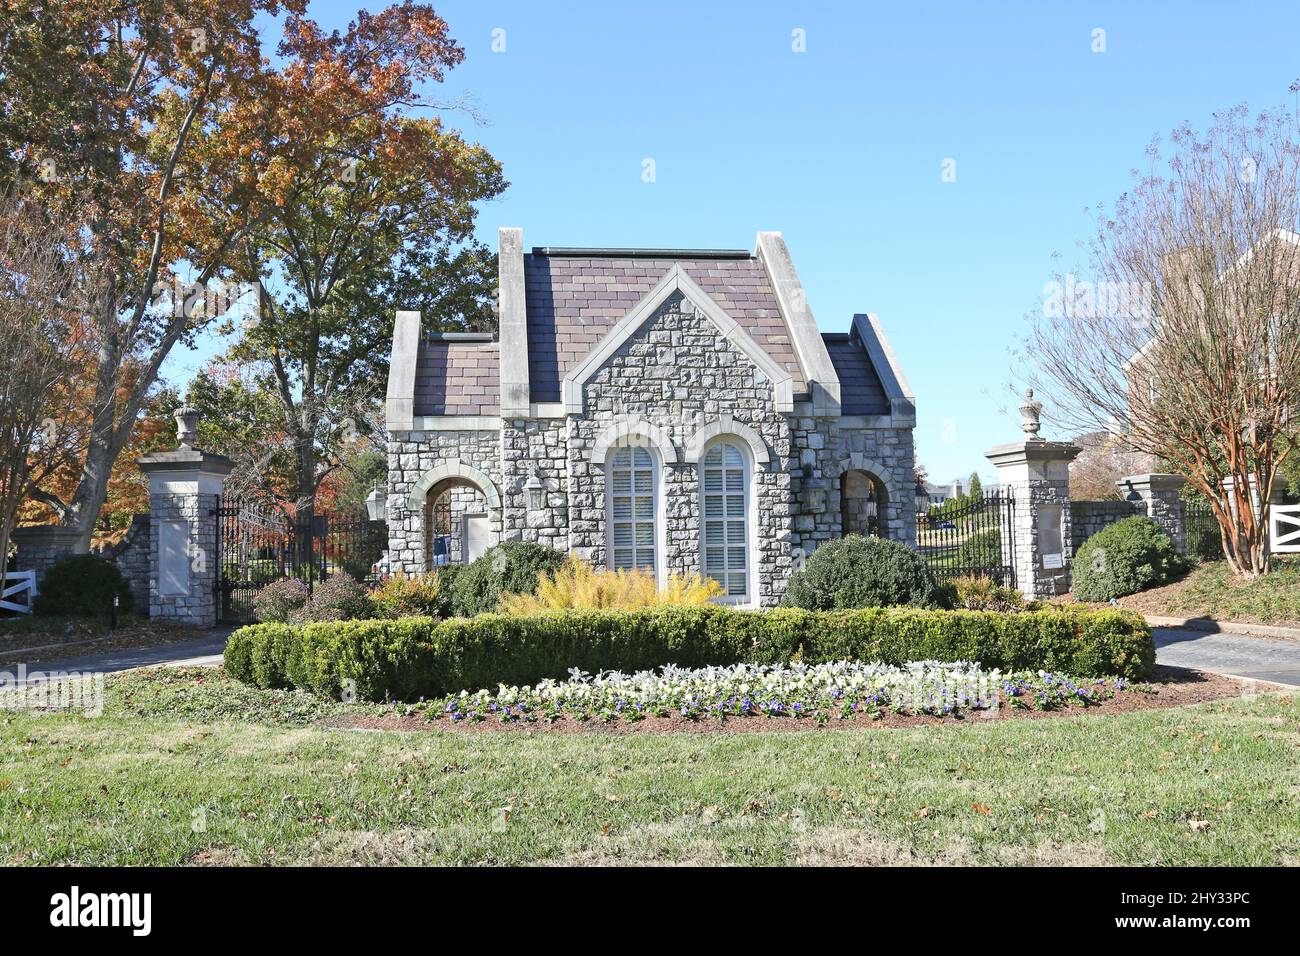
(633,485)
(724,517)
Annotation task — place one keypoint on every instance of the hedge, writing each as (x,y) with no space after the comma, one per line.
(422,657)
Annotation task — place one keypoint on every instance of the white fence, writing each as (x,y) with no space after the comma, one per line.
(1284,529)
(18,592)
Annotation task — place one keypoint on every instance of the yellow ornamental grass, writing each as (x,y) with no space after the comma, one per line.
(579,586)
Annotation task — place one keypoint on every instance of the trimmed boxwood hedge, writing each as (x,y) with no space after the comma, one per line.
(421,657)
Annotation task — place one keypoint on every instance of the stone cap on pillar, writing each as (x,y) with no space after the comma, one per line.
(186,466)
(186,459)
(1148,484)
(1032,451)
(38,535)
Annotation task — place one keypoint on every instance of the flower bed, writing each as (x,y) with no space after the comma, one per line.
(819,692)
(417,658)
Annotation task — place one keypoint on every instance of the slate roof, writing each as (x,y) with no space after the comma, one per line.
(573,301)
(860,390)
(458,378)
(573,298)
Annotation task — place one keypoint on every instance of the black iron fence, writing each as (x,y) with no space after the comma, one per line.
(258,545)
(969,537)
(1204,539)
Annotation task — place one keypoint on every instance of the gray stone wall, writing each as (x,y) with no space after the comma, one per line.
(1089,517)
(410,456)
(38,547)
(540,444)
(825,453)
(679,373)
(131,555)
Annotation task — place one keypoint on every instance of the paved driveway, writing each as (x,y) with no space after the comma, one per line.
(201,651)
(1261,658)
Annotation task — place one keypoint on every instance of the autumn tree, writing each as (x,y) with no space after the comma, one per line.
(383,219)
(163,131)
(1187,334)
(143,122)
(42,335)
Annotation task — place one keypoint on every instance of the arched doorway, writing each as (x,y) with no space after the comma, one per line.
(862,504)
(456,522)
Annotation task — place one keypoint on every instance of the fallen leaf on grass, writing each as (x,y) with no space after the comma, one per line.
(980,808)
(1199,824)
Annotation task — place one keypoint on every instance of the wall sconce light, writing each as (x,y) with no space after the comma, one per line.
(536,491)
(377,505)
(871,507)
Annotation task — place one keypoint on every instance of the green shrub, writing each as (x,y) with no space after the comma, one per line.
(1129,556)
(421,657)
(509,568)
(982,550)
(446,576)
(857,571)
(280,600)
(402,596)
(82,585)
(338,598)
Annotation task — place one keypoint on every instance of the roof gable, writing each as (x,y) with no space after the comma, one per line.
(572,303)
(676,279)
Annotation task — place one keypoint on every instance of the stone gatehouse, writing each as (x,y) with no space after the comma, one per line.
(672,409)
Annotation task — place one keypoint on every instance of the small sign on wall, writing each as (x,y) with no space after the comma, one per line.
(174,558)
(1051,540)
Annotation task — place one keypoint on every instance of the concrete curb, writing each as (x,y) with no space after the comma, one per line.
(1211,626)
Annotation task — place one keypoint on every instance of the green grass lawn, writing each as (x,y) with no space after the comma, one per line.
(178,771)
(1212,590)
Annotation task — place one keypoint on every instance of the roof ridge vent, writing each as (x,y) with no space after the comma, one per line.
(572,252)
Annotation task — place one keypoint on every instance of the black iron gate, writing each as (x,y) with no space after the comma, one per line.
(257,545)
(969,537)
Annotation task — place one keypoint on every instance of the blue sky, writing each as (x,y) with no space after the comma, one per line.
(841,147)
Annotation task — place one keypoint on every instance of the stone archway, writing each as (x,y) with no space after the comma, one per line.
(863,497)
(460,508)
(457,523)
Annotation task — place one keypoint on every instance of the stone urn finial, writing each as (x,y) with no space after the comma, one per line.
(187,425)
(1031,414)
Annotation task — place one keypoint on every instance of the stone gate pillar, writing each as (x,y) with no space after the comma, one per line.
(1160,495)
(184,491)
(1036,474)
(42,546)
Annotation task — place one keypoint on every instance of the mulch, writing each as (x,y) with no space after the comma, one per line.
(1168,687)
